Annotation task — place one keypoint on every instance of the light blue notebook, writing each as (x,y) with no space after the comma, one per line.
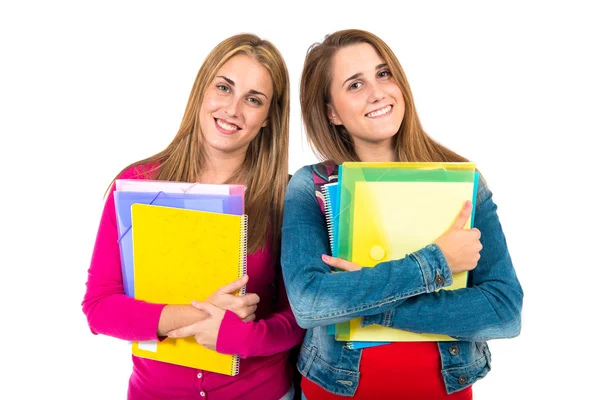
(364,345)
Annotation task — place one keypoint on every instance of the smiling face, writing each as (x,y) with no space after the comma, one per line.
(364,97)
(235,106)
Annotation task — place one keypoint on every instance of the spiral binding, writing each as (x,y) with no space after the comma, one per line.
(328,215)
(243,249)
(235,368)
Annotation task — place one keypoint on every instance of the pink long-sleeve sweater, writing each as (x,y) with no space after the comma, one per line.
(265,371)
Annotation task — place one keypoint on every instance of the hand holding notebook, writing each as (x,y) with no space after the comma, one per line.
(340,264)
(227,298)
(461,246)
(205,332)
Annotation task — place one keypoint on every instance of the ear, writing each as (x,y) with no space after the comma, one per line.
(265,123)
(332,115)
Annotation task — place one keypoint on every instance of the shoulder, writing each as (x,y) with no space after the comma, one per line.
(483,190)
(143,171)
(301,186)
(301,178)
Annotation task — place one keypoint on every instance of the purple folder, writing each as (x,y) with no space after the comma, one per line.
(226,204)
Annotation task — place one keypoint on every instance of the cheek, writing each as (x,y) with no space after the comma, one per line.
(255,119)
(211,103)
(401,104)
(397,93)
(350,109)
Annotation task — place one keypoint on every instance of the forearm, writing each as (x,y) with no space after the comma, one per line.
(489,309)
(108,310)
(274,334)
(174,316)
(471,314)
(279,332)
(320,297)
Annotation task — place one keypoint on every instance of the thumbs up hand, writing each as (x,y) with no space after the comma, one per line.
(461,246)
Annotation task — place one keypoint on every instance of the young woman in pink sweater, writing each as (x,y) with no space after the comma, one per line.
(234,130)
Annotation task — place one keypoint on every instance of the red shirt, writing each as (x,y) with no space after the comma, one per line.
(403,370)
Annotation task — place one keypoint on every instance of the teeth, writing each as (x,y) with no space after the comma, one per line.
(377,113)
(227,126)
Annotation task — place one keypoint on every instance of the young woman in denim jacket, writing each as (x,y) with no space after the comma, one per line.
(357,106)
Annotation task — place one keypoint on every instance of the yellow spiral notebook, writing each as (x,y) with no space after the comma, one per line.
(182,255)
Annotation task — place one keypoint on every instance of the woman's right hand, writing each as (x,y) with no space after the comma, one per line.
(461,246)
(243,306)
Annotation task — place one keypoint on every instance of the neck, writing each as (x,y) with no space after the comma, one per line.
(219,168)
(376,152)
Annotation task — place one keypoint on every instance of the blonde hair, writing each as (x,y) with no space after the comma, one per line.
(265,168)
(331,142)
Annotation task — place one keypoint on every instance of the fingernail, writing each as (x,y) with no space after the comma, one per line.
(325,257)
(194,302)
(467,204)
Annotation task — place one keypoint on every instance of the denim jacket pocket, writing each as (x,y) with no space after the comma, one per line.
(463,363)
(342,382)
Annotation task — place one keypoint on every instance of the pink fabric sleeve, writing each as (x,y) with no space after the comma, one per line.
(279,332)
(108,310)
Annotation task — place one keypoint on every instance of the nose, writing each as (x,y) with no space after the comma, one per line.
(376,93)
(232,108)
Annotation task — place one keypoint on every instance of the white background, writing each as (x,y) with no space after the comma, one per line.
(88,87)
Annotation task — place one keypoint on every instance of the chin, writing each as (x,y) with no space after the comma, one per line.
(385,135)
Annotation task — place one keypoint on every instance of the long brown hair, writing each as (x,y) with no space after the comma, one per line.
(265,168)
(331,142)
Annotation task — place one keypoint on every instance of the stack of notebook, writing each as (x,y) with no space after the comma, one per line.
(180,242)
(379,212)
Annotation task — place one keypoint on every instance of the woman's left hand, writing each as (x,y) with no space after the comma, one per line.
(206,331)
(338,263)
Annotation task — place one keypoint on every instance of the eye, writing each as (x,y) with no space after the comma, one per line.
(355,86)
(223,88)
(384,74)
(255,101)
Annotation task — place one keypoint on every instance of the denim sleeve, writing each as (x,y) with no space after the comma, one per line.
(489,308)
(320,297)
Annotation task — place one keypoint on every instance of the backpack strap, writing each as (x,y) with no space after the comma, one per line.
(323,173)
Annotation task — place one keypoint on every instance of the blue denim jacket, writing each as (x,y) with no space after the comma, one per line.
(399,293)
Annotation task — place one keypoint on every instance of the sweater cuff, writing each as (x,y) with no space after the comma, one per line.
(434,266)
(154,313)
(233,335)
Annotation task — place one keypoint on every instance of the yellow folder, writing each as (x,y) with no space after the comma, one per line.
(390,214)
(182,255)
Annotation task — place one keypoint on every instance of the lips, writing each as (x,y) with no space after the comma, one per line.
(226,127)
(379,112)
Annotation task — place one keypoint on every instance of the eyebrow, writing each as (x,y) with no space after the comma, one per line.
(251,91)
(361,74)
